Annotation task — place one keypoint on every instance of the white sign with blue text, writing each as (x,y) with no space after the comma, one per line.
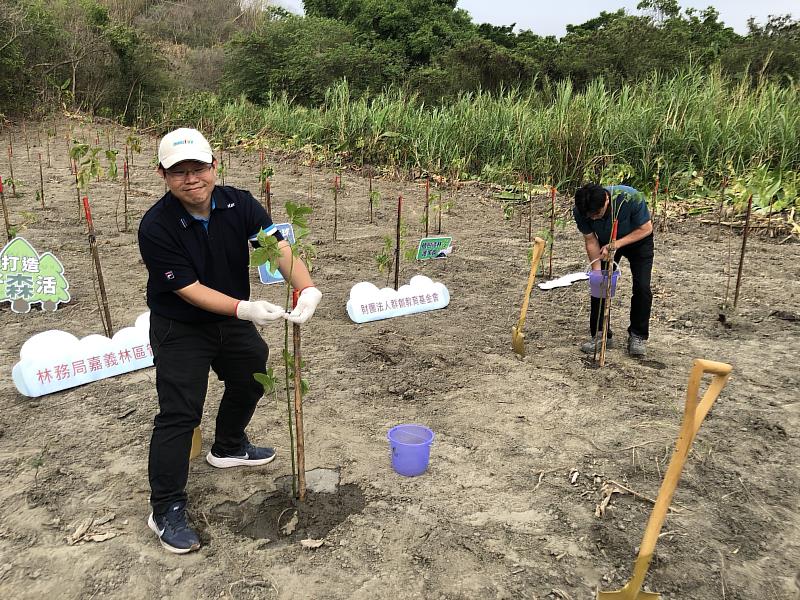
(264,274)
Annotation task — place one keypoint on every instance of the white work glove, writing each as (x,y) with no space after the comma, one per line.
(259,312)
(306,305)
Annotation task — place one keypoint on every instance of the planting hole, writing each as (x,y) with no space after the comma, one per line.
(267,515)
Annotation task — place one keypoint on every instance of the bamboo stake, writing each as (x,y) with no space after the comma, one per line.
(552,228)
(526,191)
(664,216)
(370,202)
(125,195)
(744,244)
(5,211)
(27,145)
(11,170)
(609,285)
(427,203)
(268,196)
(105,314)
(49,164)
(397,245)
(41,180)
(298,406)
(77,187)
(721,204)
(335,206)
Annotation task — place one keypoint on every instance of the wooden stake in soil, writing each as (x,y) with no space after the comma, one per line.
(77,188)
(27,145)
(397,245)
(427,203)
(744,244)
(11,170)
(125,197)
(9,234)
(298,407)
(105,314)
(664,215)
(530,208)
(721,204)
(268,196)
(49,165)
(335,206)
(552,228)
(41,180)
(371,202)
(609,285)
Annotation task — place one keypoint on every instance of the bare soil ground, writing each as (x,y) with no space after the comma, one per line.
(501,512)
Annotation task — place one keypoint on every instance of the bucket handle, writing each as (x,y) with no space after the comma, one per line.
(617,267)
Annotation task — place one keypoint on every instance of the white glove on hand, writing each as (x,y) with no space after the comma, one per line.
(306,305)
(259,312)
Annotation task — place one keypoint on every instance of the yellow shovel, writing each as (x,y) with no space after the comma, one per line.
(197,444)
(693,415)
(517,337)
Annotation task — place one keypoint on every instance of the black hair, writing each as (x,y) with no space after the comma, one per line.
(590,198)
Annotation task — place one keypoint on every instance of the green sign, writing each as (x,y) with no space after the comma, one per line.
(433,247)
(27,278)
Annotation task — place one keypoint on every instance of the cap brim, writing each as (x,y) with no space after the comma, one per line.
(178,157)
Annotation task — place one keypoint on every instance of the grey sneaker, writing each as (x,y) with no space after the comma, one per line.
(637,346)
(589,346)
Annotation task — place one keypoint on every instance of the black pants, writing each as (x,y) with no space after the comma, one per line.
(640,258)
(183,354)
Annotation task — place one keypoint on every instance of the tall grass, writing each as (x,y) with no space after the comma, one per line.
(692,121)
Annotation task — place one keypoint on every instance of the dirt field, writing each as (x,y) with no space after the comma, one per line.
(523,446)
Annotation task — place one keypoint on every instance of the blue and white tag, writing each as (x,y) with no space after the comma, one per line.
(264,274)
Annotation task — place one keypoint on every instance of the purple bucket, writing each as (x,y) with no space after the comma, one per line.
(411,449)
(598,281)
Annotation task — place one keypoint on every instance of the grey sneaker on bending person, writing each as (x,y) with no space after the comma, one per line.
(589,346)
(637,346)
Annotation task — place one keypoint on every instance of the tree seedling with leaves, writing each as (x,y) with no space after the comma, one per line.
(269,252)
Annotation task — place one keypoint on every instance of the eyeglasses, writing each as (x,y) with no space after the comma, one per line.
(183,173)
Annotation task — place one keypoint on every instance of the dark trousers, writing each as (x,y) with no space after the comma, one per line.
(183,354)
(640,258)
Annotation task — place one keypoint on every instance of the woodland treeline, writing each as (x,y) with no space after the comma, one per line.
(125,58)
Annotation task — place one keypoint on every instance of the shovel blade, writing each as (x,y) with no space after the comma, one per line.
(197,444)
(518,341)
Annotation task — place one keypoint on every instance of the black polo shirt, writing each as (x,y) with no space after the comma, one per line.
(178,250)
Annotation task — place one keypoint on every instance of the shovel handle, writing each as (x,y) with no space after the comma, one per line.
(693,416)
(538,250)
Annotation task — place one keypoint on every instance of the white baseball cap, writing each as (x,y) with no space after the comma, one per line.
(184,144)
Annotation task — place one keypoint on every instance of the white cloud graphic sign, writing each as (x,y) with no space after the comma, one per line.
(421,294)
(55,360)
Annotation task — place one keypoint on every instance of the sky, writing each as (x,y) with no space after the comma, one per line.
(551,18)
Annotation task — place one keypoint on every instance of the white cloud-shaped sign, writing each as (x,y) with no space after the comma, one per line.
(56,360)
(421,294)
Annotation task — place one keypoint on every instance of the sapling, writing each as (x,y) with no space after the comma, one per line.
(375,200)
(105,314)
(221,169)
(269,252)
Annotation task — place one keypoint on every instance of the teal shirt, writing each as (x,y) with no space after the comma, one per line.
(630,206)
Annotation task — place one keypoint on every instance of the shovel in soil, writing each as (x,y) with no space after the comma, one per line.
(693,415)
(517,337)
(197,444)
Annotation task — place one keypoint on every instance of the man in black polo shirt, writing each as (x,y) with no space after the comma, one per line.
(195,244)
(594,210)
